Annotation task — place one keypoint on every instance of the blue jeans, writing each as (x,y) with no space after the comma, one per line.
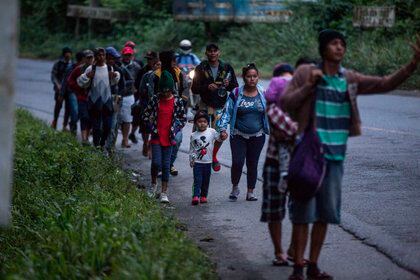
(202,172)
(113,132)
(325,206)
(161,160)
(178,140)
(74,111)
(84,115)
(249,149)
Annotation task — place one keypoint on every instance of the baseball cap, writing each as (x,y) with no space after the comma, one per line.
(112,52)
(130,44)
(127,50)
(151,55)
(212,46)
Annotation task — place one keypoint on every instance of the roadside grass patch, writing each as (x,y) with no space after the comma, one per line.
(77,215)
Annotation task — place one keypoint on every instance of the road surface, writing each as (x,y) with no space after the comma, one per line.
(379,237)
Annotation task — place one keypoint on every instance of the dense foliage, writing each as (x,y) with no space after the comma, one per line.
(77,215)
(150,24)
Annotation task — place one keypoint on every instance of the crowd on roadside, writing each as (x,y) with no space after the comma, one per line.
(308,112)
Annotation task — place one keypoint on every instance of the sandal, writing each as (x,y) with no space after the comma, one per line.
(279,261)
(305,261)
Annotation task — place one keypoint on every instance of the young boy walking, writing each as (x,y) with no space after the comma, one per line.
(201,151)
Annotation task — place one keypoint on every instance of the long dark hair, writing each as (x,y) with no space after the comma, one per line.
(166,58)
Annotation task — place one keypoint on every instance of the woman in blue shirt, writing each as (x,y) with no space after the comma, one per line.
(245,113)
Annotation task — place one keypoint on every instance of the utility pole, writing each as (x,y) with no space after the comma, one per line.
(8,50)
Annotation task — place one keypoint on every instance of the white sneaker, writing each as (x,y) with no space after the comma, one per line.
(164,198)
(151,190)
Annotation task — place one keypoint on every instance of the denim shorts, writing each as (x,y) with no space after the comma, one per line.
(325,206)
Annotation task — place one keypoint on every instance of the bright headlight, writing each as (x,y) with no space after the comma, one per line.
(191,74)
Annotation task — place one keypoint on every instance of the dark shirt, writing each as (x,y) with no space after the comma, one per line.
(203,78)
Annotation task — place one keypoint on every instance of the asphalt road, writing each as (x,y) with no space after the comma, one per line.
(379,237)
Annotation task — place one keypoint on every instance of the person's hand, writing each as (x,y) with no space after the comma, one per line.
(191,164)
(223,135)
(315,76)
(213,87)
(416,50)
(90,75)
(226,82)
(112,75)
(58,86)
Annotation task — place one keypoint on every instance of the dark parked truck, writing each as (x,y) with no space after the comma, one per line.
(232,10)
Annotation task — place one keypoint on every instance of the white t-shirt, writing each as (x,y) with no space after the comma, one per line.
(202,144)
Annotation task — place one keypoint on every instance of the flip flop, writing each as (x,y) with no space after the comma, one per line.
(305,261)
(277,261)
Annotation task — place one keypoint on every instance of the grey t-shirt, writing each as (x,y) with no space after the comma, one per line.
(214,71)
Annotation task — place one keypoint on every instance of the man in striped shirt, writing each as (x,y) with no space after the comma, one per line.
(333,90)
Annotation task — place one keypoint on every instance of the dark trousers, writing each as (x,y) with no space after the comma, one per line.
(249,149)
(59,105)
(74,111)
(101,116)
(202,172)
(161,160)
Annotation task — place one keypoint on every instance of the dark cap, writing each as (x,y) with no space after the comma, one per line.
(326,36)
(112,52)
(66,50)
(212,46)
(201,114)
(151,55)
(282,68)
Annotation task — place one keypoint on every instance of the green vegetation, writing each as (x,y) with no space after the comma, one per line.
(77,215)
(373,51)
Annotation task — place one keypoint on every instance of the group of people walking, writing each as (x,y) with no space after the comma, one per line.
(307,113)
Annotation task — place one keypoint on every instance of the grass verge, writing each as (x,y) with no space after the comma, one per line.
(77,215)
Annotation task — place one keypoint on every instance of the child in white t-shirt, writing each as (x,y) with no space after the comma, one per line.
(201,156)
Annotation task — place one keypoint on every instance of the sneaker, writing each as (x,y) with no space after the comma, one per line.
(203,199)
(164,198)
(133,138)
(151,190)
(194,200)
(216,166)
(234,194)
(251,197)
(173,171)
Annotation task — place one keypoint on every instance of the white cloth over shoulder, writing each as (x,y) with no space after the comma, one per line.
(99,87)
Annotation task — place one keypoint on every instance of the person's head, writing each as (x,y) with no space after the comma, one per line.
(283,69)
(212,52)
(185,46)
(127,54)
(201,120)
(112,55)
(305,60)
(88,56)
(250,75)
(157,65)
(166,84)
(99,54)
(130,44)
(332,45)
(167,58)
(66,53)
(80,57)
(151,58)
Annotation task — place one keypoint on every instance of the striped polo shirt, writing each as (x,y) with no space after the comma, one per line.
(333,115)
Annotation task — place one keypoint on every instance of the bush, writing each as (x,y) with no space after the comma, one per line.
(77,215)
